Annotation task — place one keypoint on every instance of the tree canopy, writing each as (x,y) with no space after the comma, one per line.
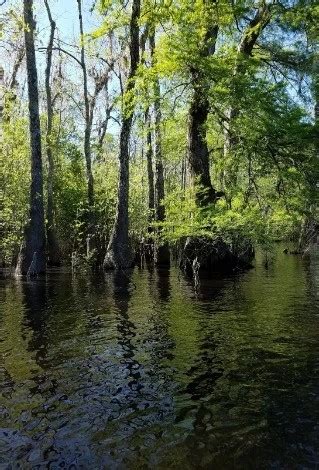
(160,120)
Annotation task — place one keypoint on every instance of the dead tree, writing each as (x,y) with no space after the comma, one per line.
(52,241)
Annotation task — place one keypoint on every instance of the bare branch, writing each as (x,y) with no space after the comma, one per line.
(64,52)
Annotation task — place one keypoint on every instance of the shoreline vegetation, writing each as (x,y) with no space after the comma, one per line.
(183,132)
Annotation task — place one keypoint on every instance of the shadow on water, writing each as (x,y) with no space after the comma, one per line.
(122,286)
(139,370)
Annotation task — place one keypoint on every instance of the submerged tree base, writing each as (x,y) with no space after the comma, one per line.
(162,256)
(202,254)
(31,259)
(118,257)
(148,253)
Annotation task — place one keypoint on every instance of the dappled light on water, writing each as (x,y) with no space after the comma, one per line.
(141,371)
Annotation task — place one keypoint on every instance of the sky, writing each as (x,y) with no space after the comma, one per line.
(64,12)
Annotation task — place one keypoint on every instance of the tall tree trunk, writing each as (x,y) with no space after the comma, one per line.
(150,172)
(32,256)
(198,153)
(159,168)
(148,250)
(119,253)
(162,252)
(149,140)
(52,241)
(88,121)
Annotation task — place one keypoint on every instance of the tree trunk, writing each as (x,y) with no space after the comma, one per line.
(119,253)
(162,256)
(103,128)
(32,256)
(88,122)
(148,249)
(159,168)
(52,241)
(198,153)
(150,172)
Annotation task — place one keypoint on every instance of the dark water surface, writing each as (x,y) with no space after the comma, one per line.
(140,372)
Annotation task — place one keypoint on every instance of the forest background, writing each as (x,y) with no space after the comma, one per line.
(160,122)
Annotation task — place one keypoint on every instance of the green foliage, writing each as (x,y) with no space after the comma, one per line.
(269,176)
(70,196)
(260,225)
(14,178)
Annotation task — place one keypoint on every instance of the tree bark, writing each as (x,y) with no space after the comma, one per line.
(150,172)
(32,256)
(198,153)
(159,168)
(148,250)
(101,81)
(103,127)
(162,255)
(54,257)
(119,253)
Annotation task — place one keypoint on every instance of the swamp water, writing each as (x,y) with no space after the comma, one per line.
(139,371)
